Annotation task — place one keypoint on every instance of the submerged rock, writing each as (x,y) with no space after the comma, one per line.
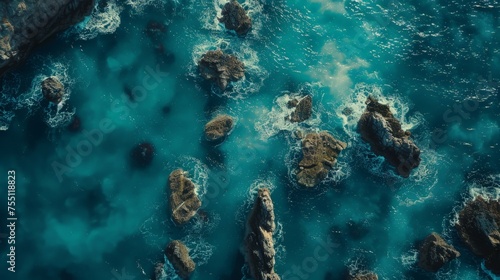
(25,24)
(159,272)
(364,276)
(303,108)
(142,154)
(52,89)
(383,132)
(221,68)
(259,242)
(184,201)
(218,128)
(320,152)
(479,227)
(75,125)
(178,254)
(435,252)
(235,18)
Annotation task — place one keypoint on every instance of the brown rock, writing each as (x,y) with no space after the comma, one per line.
(218,128)
(158,274)
(235,18)
(184,201)
(383,132)
(435,252)
(479,227)
(303,109)
(320,152)
(259,242)
(221,68)
(177,253)
(52,89)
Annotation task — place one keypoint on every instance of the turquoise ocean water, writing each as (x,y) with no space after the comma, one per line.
(437,63)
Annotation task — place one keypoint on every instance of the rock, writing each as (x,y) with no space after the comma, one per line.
(303,109)
(259,242)
(479,227)
(383,132)
(159,272)
(221,68)
(364,276)
(235,18)
(25,24)
(75,125)
(435,252)
(53,89)
(184,201)
(142,154)
(178,255)
(218,128)
(320,152)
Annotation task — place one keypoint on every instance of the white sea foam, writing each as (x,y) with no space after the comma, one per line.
(101,21)
(198,173)
(409,258)
(199,250)
(275,121)
(254,74)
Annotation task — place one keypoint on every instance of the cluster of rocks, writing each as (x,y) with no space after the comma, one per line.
(478,227)
(363,276)
(259,244)
(218,66)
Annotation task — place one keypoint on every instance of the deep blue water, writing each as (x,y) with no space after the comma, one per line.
(437,63)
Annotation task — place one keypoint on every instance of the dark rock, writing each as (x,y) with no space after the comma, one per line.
(75,125)
(363,276)
(218,128)
(159,272)
(221,68)
(259,242)
(357,230)
(25,24)
(435,252)
(303,108)
(142,154)
(320,152)
(383,132)
(178,254)
(184,201)
(235,18)
(52,89)
(479,227)
(347,111)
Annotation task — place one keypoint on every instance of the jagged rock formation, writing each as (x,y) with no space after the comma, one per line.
(479,227)
(184,201)
(303,108)
(320,152)
(221,68)
(218,128)
(235,18)
(178,255)
(158,272)
(435,252)
(52,89)
(259,244)
(27,23)
(383,132)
